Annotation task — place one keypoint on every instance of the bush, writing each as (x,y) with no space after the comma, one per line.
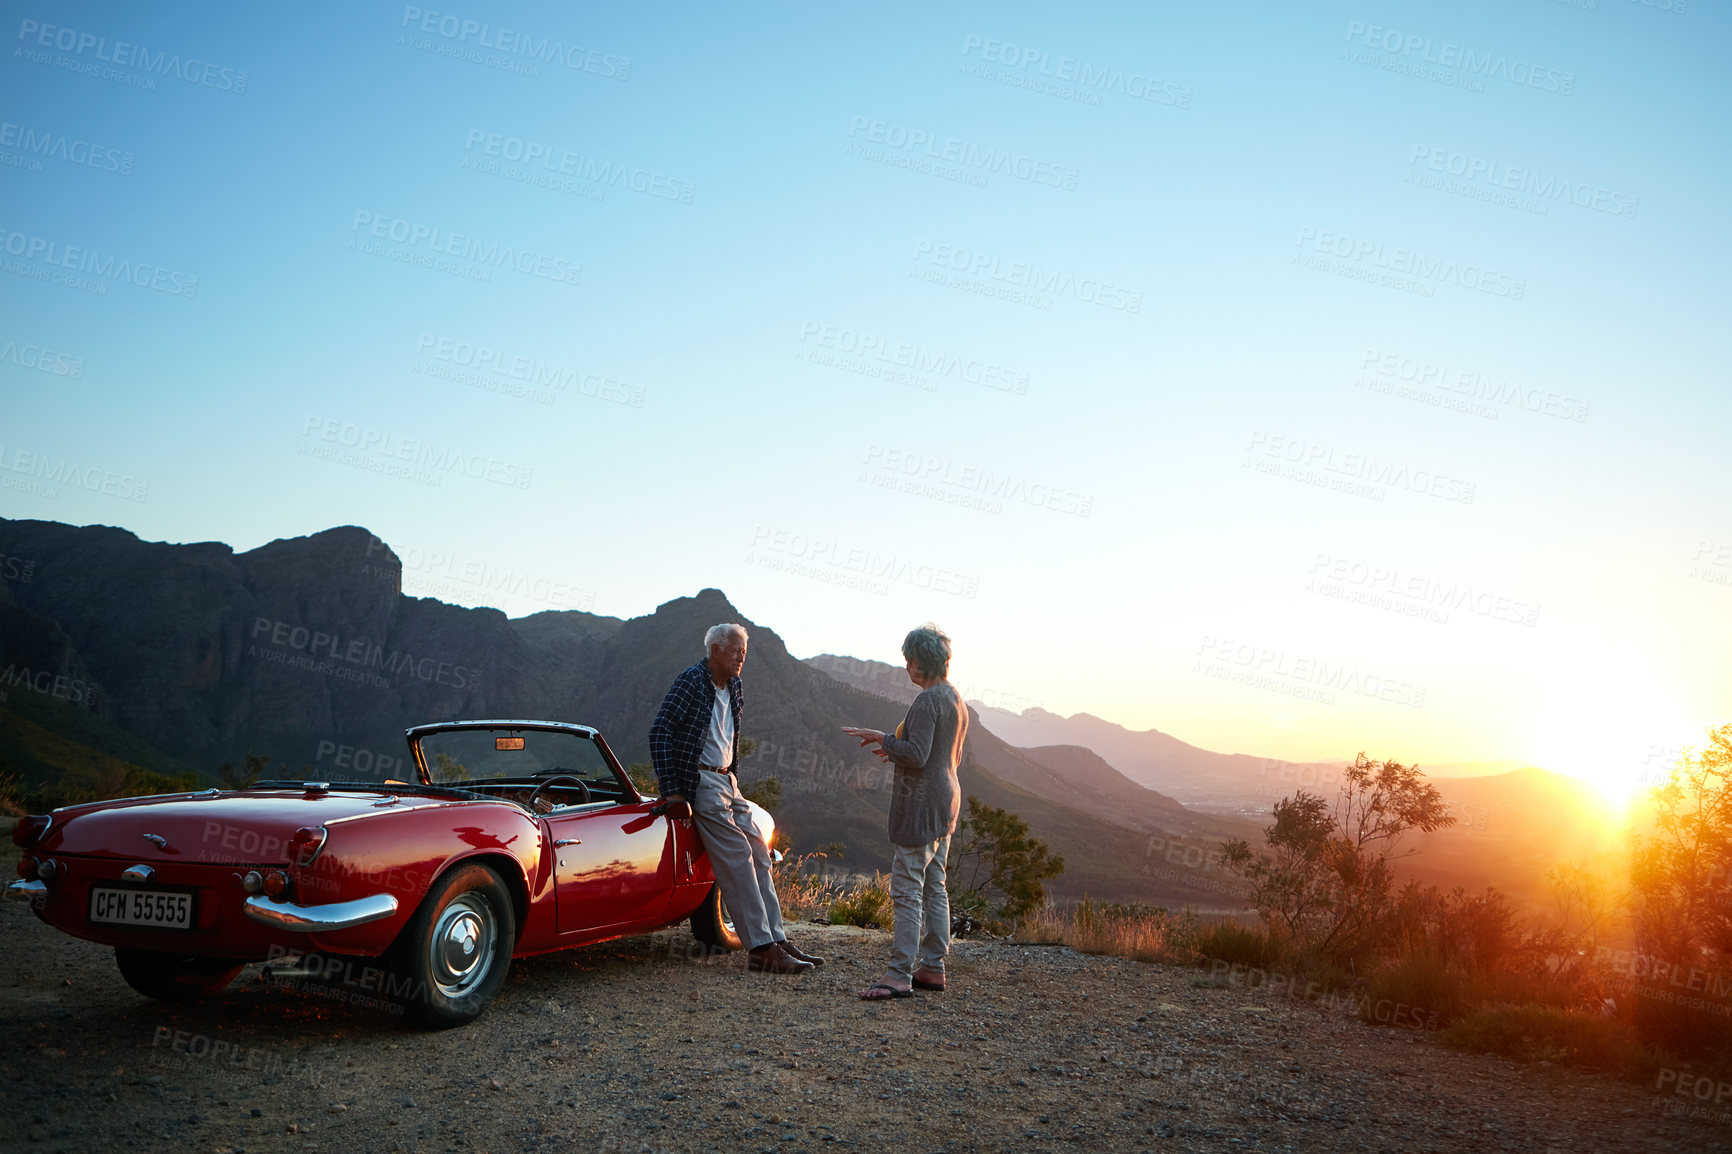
(1240,946)
(643,776)
(106,782)
(866,905)
(1547,1033)
(766,791)
(1423,987)
(1001,861)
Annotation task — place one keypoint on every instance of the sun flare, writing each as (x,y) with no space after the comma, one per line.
(1622,735)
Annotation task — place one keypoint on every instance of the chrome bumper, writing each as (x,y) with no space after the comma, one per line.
(31,891)
(319,919)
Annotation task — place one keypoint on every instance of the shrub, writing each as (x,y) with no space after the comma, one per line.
(114,779)
(766,791)
(1328,881)
(1547,1033)
(1432,991)
(1240,946)
(993,849)
(643,776)
(866,904)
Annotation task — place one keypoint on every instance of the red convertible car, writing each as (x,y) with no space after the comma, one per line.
(518,837)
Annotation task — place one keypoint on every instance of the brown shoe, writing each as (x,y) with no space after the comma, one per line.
(771,960)
(798,954)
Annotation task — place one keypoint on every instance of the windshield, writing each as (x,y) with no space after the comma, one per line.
(474,755)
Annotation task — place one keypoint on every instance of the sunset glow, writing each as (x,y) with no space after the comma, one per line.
(1621,733)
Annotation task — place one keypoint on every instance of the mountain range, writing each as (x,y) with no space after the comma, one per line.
(306,651)
(124,657)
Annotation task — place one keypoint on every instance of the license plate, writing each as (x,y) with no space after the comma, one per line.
(156,909)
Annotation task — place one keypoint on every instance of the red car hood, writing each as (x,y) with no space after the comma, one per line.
(244,826)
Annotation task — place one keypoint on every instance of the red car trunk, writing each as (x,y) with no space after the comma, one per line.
(219,828)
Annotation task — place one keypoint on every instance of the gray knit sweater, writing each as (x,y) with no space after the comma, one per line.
(926,798)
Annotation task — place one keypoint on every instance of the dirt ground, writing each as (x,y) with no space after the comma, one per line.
(639,1046)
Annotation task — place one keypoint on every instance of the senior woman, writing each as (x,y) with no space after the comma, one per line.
(925,750)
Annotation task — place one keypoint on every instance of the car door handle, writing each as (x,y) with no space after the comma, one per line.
(567,841)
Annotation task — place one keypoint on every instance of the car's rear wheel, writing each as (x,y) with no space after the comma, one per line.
(711,925)
(175,977)
(452,956)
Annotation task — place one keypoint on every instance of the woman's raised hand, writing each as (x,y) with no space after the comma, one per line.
(866,736)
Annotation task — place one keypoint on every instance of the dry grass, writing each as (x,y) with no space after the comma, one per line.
(1141,933)
(811,887)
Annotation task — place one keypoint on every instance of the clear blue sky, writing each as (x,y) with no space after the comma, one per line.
(1294,379)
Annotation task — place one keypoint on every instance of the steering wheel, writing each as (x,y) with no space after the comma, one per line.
(558,779)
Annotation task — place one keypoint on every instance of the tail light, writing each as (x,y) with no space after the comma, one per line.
(276,883)
(29,830)
(27,867)
(306,844)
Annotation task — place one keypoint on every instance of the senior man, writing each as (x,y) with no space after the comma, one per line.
(695,745)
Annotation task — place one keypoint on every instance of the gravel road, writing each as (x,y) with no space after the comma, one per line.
(638,1046)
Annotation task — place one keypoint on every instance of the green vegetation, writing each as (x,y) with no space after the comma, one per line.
(1533,1033)
(866,904)
(1338,928)
(53,753)
(1327,887)
(1439,991)
(995,869)
(766,791)
(1237,945)
(1531,989)
(643,776)
(257,765)
(1681,901)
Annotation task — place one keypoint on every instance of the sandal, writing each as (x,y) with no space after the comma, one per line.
(868,994)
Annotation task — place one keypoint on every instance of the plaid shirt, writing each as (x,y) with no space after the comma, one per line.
(677,736)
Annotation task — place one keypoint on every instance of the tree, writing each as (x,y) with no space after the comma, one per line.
(1587,902)
(1001,862)
(1293,884)
(1681,880)
(1329,883)
(766,791)
(257,764)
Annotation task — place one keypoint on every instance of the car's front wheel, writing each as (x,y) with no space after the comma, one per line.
(452,956)
(711,926)
(174,977)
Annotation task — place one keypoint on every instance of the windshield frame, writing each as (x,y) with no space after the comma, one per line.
(416,734)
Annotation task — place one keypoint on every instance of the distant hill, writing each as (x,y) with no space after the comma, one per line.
(1514,823)
(1232,783)
(1512,828)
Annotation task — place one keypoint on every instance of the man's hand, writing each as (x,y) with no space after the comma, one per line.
(675,806)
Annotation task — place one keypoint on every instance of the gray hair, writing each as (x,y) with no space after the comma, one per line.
(719,634)
(929,648)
